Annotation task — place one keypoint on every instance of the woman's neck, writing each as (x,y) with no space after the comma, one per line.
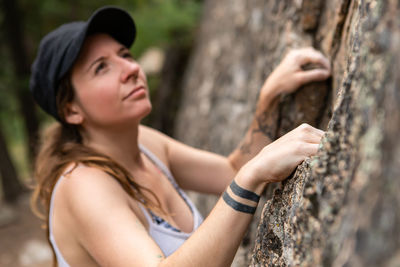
(121,145)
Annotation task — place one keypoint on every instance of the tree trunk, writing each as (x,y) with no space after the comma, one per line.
(168,93)
(340,208)
(13,21)
(11,186)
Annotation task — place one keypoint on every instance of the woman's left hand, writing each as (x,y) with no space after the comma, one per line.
(299,66)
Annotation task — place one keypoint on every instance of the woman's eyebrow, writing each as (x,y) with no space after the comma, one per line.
(123,49)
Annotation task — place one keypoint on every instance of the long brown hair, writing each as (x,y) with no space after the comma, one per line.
(62,146)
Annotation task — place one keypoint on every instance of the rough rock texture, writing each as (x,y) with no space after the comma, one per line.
(342,207)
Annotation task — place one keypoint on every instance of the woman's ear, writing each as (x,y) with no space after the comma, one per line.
(73,113)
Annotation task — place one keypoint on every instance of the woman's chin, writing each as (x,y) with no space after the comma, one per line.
(146,111)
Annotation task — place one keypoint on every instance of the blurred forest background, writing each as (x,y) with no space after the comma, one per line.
(166,32)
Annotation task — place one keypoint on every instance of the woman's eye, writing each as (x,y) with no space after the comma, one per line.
(127,55)
(99,67)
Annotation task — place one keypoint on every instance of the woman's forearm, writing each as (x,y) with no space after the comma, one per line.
(259,133)
(216,241)
(218,238)
(286,78)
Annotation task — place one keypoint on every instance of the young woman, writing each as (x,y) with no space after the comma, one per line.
(112,188)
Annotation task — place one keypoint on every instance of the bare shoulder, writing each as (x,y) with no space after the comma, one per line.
(147,134)
(84,178)
(90,189)
(155,141)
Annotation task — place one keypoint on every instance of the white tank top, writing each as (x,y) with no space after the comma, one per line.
(168,238)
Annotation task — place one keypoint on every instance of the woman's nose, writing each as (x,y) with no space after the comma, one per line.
(130,70)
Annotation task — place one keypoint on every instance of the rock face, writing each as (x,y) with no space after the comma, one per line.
(341,208)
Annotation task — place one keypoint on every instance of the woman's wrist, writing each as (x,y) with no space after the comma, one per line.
(243,194)
(269,92)
(247,179)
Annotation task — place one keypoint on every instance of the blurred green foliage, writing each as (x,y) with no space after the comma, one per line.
(165,22)
(159,23)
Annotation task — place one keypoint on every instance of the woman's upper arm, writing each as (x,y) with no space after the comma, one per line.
(193,169)
(104,223)
(200,170)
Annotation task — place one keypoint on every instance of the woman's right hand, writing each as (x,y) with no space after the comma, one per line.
(277,161)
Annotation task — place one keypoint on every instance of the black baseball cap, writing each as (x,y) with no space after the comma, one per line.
(60,48)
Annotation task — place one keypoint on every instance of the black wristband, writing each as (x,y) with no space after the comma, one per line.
(243,193)
(236,205)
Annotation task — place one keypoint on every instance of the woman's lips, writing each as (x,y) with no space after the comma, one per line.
(136,93)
